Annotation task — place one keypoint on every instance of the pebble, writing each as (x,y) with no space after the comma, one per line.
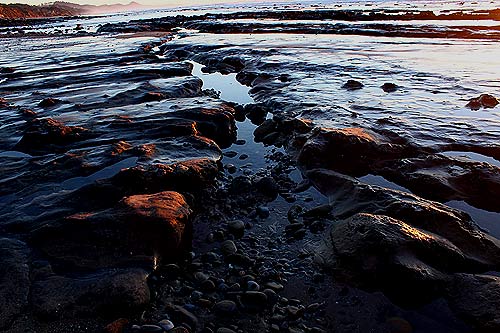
(225,307)
(231,168)
(263,212)
(166,324)
(228,247)
(243,157)
(240,142)
(200,276)
(274,286)
(252,285)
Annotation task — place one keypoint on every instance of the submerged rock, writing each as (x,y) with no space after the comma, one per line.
(389,87)
(353,151)
(485,100)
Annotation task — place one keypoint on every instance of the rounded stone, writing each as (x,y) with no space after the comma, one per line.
(228,247)
(225,307)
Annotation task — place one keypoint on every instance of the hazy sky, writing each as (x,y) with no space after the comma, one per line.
(144,2)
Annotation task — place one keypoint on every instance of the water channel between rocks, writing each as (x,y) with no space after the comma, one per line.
(252,155)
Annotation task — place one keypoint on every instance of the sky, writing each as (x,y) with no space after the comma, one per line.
(144,2)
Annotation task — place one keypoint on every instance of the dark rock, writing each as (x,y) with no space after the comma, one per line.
(45,134)
(381,252)
(107,293)
(236,227)
(256,113)
(353,151)
(49,102)
(267,186)
(228,247)
(139,228)
(267,127)
(476,298)
(14,280)
(353,85)
(389,87)
(484,100)
(225,307)
(349,196)
(253,300)
(181,315)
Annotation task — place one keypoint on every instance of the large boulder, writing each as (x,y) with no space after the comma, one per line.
(108,293)
(14,279)
(353,151)
(140,230)
(441,178)
(350,196)
(381,252)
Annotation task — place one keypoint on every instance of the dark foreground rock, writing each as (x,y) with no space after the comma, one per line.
(14,280)
(140,230)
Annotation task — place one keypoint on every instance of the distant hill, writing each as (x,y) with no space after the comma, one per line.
(61,8)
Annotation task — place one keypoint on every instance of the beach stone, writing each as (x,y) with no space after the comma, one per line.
(48,102)
(389,87)
(225,330)
(14,280)
(225,307)
(253,286)
(263,212)
(151,328)
(236,227)
(382,252)
(484,100)
(117,326)
(228,247)
(267,186)
(136,230)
